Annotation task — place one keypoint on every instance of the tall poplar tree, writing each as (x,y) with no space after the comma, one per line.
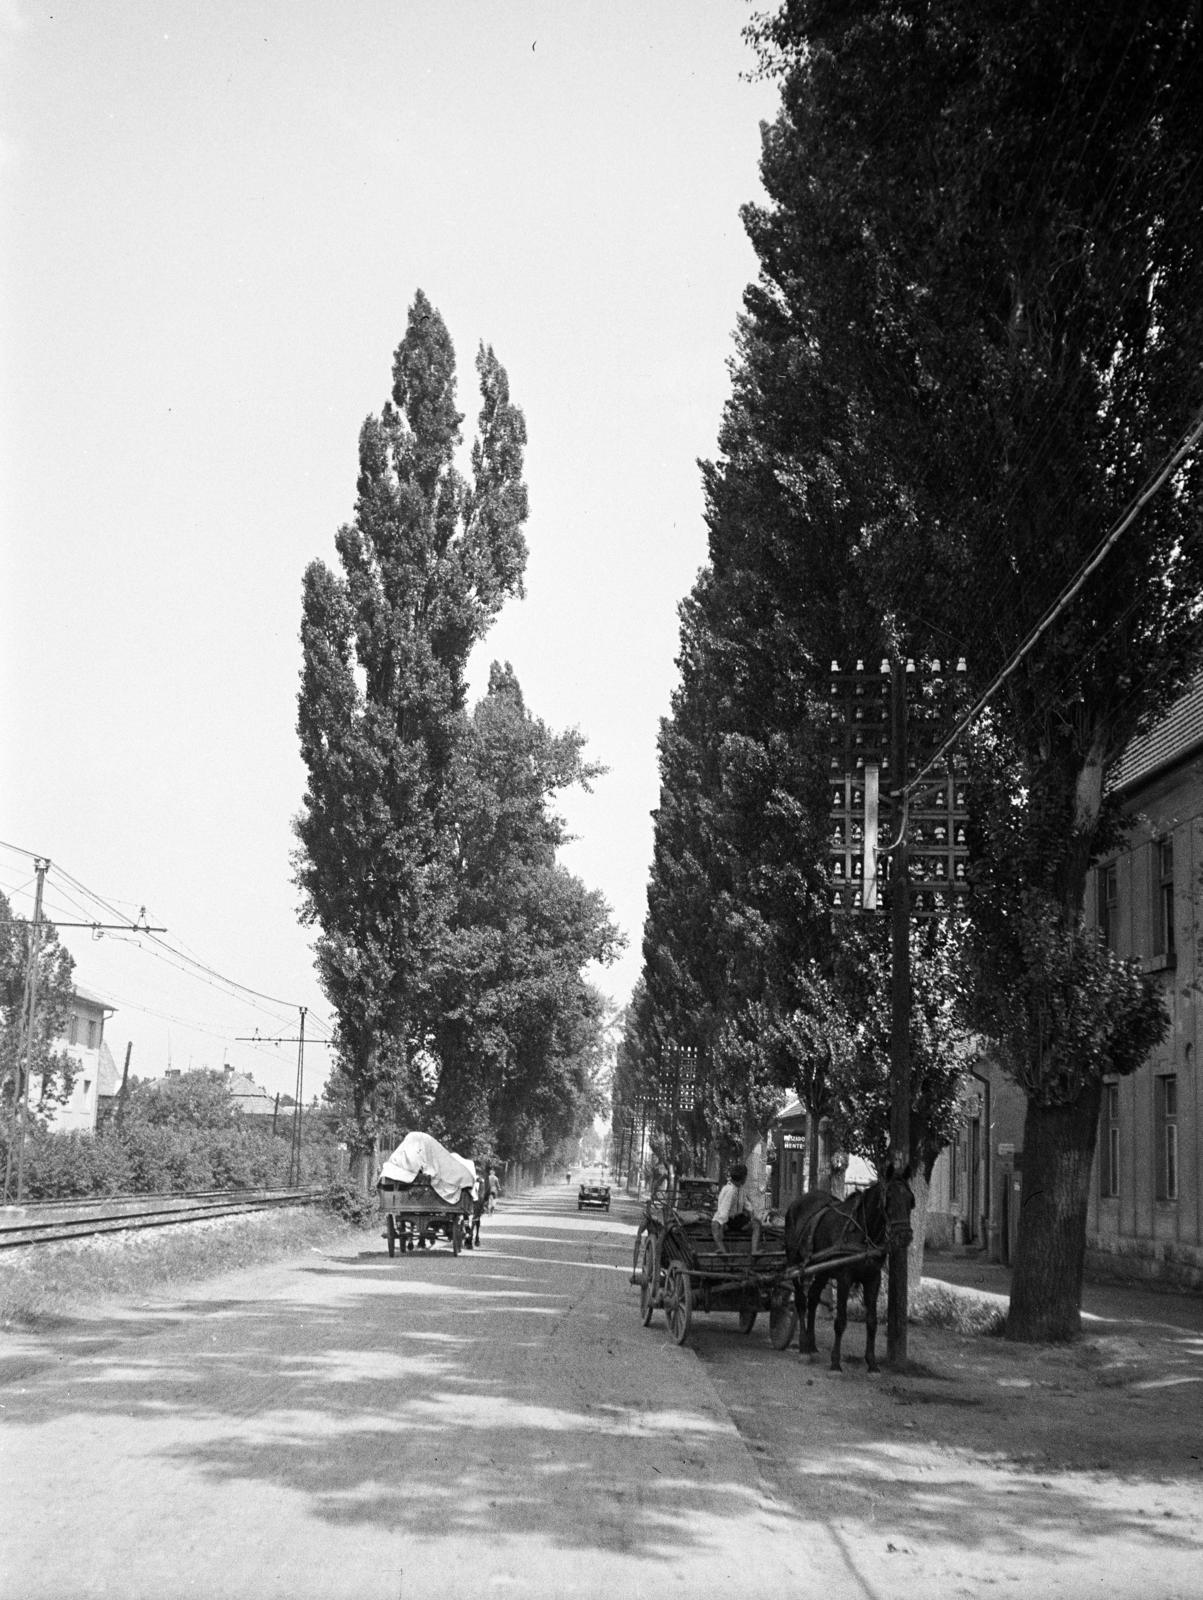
(982,235)
(515,1028)
(424,566)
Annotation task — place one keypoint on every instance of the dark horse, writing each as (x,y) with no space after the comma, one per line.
(866,1223)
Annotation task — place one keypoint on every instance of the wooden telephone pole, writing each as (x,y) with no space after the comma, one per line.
(900,1008)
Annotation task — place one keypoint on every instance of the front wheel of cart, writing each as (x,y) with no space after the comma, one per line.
(649,1271)
(783,1321)
(390,1229)
(678,1301)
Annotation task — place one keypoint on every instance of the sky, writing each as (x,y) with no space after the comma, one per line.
(214,220)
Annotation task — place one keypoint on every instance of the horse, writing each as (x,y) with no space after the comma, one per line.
(871,1221)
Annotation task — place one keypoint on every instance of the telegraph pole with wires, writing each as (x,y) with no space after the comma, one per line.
(294,1159)
(294,1155)
(900,1010)
(29,1011)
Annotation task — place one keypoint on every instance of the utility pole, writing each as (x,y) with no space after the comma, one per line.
(294,1161)
(900,1006)
(29,1011)
(124,1091)
(294,1157)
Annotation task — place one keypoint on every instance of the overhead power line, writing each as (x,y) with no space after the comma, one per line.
(157,946)
(1157,481)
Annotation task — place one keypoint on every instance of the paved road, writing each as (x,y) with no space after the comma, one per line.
(493,1424)
(500,1423)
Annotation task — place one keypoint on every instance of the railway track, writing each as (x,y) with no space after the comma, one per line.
(52,1221)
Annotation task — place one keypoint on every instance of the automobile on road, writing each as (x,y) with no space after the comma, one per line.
(593,1191)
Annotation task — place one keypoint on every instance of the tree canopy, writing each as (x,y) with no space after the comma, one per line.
(52,1073)
(972,342)
(450,942)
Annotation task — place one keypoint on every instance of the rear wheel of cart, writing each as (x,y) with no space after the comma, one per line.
(678,1301)
(783,1319)
(649,1271)
(390,1228)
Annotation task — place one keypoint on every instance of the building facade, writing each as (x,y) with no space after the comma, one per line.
(1145,1218)
(1146,1209)
(95,1070)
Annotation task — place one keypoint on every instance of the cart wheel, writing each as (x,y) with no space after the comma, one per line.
(649,1271)
(641,1238)
(678,1301)
(457,1236)
(783,1320)
(747,1319)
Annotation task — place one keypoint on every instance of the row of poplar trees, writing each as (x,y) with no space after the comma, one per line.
(975,335)
(451,943)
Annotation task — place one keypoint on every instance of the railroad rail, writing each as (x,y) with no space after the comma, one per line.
(52,1221)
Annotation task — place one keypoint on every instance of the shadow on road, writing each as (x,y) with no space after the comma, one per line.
(512,1388)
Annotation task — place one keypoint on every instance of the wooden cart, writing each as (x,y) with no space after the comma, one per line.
(415,1216)
(683,1271)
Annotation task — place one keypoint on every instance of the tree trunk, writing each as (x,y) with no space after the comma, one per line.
(921,1190)
(1058,1154)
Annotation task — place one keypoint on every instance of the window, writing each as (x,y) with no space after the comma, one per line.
(953,1175)
(73,1029)
(92,1034)
(1166,1113)
(1163,853)
(1108,888)
(1109,1144)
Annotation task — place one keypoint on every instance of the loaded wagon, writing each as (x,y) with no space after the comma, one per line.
(424,1193)
(415,1215)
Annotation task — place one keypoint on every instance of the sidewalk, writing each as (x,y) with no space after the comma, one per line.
(1103,1304)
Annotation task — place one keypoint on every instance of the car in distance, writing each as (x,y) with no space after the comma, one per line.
(593,1191)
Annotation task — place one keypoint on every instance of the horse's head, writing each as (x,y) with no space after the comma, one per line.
(898,1202)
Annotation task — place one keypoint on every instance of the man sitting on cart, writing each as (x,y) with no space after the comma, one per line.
(737,1210)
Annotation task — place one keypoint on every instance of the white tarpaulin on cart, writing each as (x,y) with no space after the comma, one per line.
(419,1154)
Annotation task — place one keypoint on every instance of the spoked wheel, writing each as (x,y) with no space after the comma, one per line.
(390,1228)
(649,1272)
(641,1239)
(678,1301)
(783,1321)
(747,1319)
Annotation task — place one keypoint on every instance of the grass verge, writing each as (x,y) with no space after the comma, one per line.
(945,1305)
(42,1283)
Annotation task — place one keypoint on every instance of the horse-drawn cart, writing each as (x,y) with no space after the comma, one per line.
(415,1216)
(682,1270)
(425,1193)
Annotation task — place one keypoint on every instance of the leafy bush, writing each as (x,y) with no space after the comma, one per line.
(73,1165)
(349,1202)
(148,1158)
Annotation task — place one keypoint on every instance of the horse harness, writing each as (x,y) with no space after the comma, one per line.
(852,1235)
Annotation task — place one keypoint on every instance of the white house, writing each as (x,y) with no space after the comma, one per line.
(84,1043)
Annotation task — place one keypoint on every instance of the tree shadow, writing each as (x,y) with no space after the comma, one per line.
(498,1390)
